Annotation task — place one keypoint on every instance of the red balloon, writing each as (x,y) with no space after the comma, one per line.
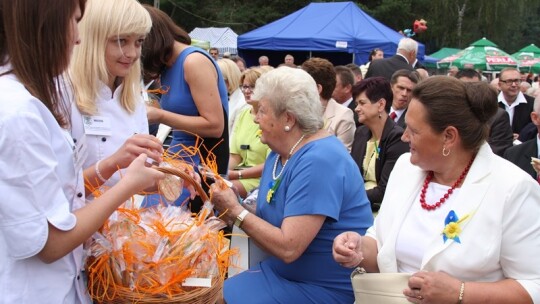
(419,26)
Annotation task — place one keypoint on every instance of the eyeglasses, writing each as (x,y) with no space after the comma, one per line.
(245,88)
(511,81)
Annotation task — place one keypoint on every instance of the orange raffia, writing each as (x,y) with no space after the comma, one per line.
(194,249)
(151,251)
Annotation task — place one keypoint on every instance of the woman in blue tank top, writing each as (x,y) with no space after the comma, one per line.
(196,97)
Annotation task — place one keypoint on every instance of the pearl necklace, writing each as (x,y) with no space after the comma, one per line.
(274,176)
(447,194)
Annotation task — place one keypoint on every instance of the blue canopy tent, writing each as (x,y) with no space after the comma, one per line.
(338,31)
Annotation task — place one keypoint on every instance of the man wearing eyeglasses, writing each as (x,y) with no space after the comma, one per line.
(518,105)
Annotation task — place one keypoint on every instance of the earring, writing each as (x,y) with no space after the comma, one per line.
(380,115)
(445,152)
(287,128)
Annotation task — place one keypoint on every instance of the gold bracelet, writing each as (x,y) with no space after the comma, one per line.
(461,292)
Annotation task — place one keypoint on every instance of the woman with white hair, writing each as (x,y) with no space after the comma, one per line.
(309,193)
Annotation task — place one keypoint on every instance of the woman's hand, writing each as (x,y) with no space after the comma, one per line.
(535,162)
(225,201)
(135,146)
(139,176)
(347,249)
(432,287)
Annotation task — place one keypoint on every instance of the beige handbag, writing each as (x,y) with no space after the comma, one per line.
(379,288)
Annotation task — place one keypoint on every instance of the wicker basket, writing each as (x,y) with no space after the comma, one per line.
(193,295)
(198,295)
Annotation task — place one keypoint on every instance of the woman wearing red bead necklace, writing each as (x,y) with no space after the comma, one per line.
(460,219)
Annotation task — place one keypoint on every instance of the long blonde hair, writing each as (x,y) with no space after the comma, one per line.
(104,19)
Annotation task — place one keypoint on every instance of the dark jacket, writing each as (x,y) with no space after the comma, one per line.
(391,147)
(521,155)
(352,106)
(522,114)
(500,132)
(387,67)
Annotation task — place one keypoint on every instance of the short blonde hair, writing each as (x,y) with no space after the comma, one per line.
(231,72)
(104,19)
(250,75)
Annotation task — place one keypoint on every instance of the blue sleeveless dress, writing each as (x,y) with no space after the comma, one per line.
(178,99)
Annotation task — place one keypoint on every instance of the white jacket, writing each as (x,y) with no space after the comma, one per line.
(500,240)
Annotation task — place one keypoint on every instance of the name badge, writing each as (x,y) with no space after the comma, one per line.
(97,125)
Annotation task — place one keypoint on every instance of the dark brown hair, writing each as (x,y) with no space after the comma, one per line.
(323,73)
(35,39)
(466,106)
(345,75)
(375,88)
(158,45)
(412,75)
(373,53)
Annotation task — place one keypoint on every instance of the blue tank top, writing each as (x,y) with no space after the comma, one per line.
(179,100)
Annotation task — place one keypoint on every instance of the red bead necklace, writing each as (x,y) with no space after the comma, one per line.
(443,199)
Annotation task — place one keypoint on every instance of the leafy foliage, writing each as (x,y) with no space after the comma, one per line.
(510,24)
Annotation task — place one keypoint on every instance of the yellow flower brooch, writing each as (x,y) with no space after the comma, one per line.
(273,187)
(452,227)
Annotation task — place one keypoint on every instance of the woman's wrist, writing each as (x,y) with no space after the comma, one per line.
(240,174)
(106,168)
(461,293)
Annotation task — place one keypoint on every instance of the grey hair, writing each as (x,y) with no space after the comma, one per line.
(293,91)
(408,44)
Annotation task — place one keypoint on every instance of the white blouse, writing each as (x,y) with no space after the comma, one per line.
(117,127)
(40,184)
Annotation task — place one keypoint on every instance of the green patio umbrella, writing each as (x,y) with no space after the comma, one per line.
(535,68)
(482,54)
(527,56)
(438,55)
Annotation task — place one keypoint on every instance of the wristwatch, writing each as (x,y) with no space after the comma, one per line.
(240,218)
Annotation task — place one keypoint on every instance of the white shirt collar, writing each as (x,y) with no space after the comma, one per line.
(346,103)
(519,99)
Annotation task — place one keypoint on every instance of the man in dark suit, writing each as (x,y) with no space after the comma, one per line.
(518,105)
(343,90)
(402,82)
(404,58)
(500,132)
(521,154)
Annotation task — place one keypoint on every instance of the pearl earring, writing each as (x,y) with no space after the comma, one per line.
(287,128)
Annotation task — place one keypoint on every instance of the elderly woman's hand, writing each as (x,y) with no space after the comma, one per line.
(347,249)
(225,201)
(432,287)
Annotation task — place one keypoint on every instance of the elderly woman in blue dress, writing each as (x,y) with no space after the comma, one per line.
(309,193)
